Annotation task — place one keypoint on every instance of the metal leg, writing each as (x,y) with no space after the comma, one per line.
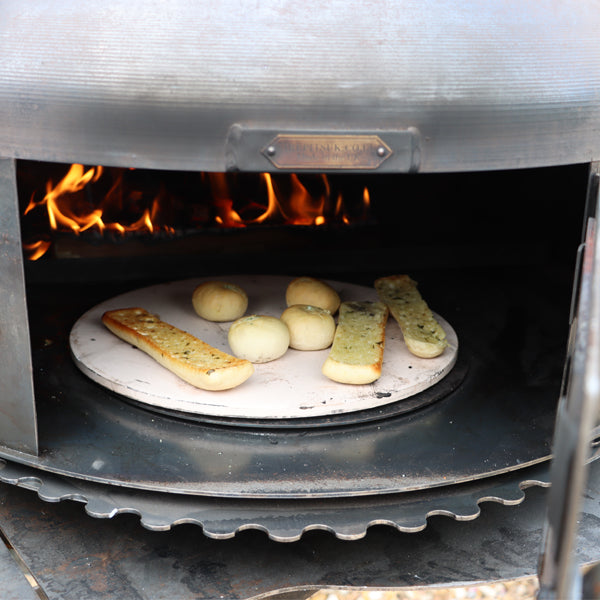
(18,427)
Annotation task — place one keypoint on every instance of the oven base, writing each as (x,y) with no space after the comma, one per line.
(500,419)
(75,557)
(282,521)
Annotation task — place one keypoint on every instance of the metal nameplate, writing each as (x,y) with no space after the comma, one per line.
(326,151)
(268,149)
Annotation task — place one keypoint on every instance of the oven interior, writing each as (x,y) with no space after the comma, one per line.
(493,252)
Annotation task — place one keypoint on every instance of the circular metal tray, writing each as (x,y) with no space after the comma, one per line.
(499,419)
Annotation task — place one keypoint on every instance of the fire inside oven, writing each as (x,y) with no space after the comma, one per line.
(493,252)
(86,206)
(391,221)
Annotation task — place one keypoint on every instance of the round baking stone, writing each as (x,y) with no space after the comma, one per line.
(287,388)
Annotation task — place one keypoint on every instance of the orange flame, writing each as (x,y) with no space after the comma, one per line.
(37,249)
(306,209)
(226,216)
(273,207)
(74,181)
(71,215)
(299,207)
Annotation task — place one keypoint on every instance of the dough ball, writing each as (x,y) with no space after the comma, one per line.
(259,338)
(220,301)
(311,327)
(310,291)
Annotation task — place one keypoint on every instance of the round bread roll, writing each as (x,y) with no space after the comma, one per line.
(311,327)
(259,338)
(313,292)
(219,301)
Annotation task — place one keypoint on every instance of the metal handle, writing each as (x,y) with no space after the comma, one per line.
(576,422)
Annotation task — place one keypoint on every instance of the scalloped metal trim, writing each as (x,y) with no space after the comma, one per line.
(282,521)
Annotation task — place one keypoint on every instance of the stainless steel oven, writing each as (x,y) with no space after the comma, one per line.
(454,141)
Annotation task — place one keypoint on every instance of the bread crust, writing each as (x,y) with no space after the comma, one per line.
(188,357)
(423,335)
(356,355)
(351,374)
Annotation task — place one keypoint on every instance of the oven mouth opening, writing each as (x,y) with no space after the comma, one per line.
(486,233)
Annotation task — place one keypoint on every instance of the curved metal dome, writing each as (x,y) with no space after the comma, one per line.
(447,85)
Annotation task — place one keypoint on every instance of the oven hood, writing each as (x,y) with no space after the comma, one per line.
(431,85)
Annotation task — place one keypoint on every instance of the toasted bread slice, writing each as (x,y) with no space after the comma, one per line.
(356,354)
(188,357)
(423,335)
